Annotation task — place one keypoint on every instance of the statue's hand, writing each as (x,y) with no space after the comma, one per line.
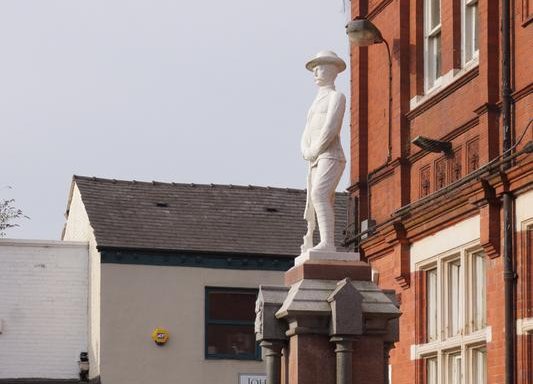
(305,153)
(308,154)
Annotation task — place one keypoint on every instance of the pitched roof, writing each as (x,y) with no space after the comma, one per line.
(198,217)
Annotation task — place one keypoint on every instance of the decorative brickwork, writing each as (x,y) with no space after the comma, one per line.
(425,184)
(455,170)
(472,149)
(440,173)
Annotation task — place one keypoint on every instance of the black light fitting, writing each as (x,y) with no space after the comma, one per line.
(432,145)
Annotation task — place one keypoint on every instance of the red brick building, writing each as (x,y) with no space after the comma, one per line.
(438,219)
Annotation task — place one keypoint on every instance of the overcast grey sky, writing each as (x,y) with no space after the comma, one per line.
(169,90)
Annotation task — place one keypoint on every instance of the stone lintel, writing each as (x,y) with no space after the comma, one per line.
(329,270)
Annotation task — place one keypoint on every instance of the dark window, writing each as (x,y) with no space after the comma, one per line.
(229,324)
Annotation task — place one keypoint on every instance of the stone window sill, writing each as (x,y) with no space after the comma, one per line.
(422,350)
(444,82)
(524,326)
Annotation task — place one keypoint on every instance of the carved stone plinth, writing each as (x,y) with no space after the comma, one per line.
(328,270)
(326,255)
(330,327)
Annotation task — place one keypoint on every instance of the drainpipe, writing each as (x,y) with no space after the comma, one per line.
(508,272)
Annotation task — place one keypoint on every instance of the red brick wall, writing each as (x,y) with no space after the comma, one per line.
(466,113)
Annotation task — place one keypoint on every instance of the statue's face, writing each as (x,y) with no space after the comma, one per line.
(325,74)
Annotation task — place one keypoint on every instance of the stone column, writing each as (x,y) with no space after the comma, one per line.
(343,353)
(272,356)
(386,355)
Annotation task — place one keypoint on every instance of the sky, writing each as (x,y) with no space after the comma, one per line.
(168,90)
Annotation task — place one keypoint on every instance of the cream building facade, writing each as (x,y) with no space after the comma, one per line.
(186,258)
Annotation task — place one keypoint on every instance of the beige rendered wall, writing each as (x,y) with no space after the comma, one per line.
(138,298)
(78,228)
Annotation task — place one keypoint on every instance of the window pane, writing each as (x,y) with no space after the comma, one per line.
(431,370)
(455,293)
(470,30)
(437,56)
(431,304)
(475,22)
(432,42)
(468,33)
(479,306)
(479,366)
(434,13)
(231,305)
(230,340)
(434,62)
(454,368)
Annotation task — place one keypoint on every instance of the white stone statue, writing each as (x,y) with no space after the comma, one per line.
(321,147)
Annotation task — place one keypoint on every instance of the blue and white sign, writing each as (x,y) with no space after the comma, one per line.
(252,378)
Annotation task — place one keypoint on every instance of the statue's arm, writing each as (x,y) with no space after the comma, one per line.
(332,125)
(305,144)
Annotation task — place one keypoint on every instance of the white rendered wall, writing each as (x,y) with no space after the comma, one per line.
(78,228)
(43,308)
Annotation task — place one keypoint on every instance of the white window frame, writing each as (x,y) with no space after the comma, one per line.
(432,328)
(473,375)
(432,375)
(473,324)
(453,297)
(451,375)
(432,80)
(469,34)
(524,223)
(469,339)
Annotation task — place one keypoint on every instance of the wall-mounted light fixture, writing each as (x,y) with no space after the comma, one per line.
(84,366)
(362,33)
(432,145)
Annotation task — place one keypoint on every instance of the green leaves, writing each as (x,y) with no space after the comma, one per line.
(9,213)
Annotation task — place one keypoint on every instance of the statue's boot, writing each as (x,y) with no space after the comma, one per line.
(308,238)
(326,224)
(308,242)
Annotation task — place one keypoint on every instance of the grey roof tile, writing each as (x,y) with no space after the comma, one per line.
(197,217)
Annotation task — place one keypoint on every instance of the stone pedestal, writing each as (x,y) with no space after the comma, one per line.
(326,255)
(332,324)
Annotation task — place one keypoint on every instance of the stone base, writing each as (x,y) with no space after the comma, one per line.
(330,324)
(328,270)
(326,255)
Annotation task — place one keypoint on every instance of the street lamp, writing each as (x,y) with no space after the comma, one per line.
(432,145)
(362,33)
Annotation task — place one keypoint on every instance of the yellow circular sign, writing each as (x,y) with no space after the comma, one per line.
(160,336)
